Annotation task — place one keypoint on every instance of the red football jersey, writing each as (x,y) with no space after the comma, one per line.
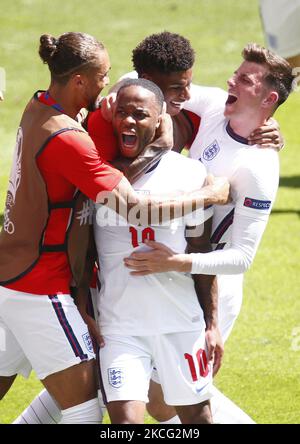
(69,161)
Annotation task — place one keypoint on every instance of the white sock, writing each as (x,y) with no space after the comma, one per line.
(42,410)
(88,412)
(224,411)
(174,420)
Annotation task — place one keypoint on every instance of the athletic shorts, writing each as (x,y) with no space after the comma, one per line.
(43,332)
(230,299)
(180,359)
(281,23)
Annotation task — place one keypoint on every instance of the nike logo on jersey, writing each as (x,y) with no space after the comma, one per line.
(199,390)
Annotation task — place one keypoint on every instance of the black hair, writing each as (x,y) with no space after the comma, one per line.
(164,52)
(147,84)
(70,52)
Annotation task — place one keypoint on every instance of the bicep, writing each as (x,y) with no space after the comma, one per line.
(199,243)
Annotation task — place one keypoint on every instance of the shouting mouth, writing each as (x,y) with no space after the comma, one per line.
(231,99)
(129,139)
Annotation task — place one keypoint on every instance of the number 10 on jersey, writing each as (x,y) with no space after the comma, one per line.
(139,237)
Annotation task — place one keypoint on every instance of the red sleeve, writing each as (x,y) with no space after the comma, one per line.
(73,156)
(195,121)
(103,136)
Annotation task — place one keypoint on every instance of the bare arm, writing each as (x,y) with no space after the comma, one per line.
(81,293)
(205,284)
(207,292)
(268,135)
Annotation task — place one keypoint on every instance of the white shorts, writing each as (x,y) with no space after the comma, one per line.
(230,289)
(45,332)
(180,359)
(281,22)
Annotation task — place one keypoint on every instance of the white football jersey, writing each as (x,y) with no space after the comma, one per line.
(237,227)
(253,172)
(158,303)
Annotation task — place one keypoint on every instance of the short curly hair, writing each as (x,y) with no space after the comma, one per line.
(164,52)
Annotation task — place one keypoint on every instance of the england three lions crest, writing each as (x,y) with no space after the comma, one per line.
(211,151)
(116,377)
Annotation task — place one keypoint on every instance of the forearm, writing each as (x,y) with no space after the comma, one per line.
(81,299)
(207,292)
(246,236)
(231,261)
(205,285)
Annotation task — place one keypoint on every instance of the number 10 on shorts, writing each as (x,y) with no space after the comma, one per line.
(200,361)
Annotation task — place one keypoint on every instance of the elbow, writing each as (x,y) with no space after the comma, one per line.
(242,268)
(244,263)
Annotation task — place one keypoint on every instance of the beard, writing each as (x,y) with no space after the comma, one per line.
(94,105)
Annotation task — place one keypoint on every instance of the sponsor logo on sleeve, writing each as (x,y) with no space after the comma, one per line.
(116,377)
(257,204)
(211,151)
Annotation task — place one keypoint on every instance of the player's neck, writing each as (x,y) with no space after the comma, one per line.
(62,96)
(245,126)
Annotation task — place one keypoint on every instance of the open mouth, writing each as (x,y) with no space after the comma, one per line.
(129,140)
(231,99)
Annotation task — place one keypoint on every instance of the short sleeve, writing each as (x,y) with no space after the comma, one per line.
(74,156)
(205,100)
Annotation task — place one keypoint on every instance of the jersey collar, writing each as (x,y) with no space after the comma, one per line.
(235,136)
(45,98)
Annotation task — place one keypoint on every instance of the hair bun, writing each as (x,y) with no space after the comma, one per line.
(48,47)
